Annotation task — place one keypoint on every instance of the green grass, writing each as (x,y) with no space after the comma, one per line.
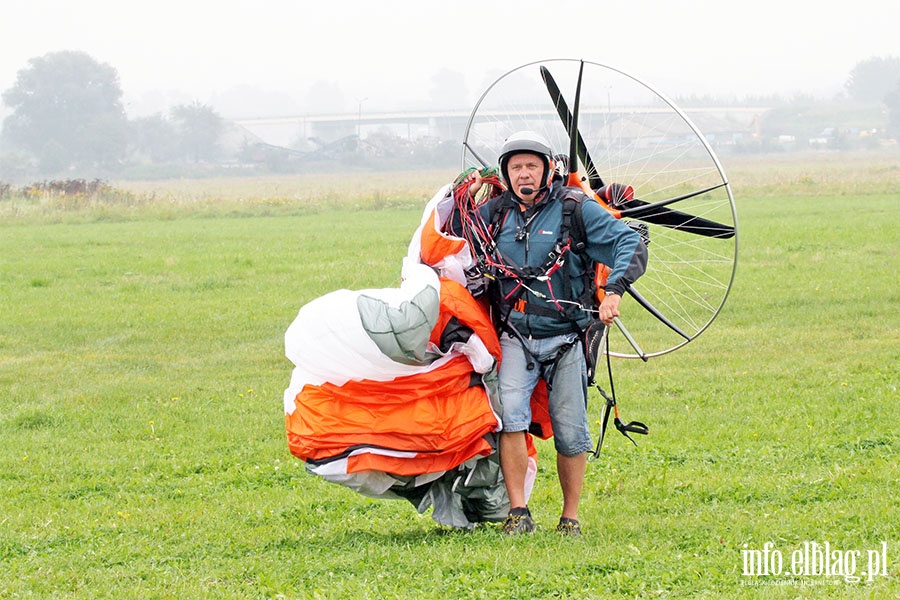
(141,419)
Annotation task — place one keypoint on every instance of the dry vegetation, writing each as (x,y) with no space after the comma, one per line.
(805,174)
(771,175)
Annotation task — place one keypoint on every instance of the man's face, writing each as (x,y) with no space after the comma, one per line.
(525,170)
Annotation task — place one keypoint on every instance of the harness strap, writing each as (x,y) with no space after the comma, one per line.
(612,407)
(548,366)
(552,364)
(532,308)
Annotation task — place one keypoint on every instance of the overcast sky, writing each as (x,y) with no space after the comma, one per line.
(385,52)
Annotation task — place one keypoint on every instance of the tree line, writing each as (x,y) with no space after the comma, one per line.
(68,115)
(68,118)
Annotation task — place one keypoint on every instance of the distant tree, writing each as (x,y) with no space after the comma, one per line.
(67,110)
(53,157)
(155,138)
(873,79)
(892,99)
(199,130)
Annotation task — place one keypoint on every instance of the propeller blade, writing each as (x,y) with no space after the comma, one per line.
(636,209)
(578,146)
(572,130)
(617,199)
(655,312)
(657,214)
(622,203)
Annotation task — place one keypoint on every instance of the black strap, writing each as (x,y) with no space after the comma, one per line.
(497,212)
(573,223)
(612,407)
(549,366)
(569,312)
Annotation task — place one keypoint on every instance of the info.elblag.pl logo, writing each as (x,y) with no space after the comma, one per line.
(813,559)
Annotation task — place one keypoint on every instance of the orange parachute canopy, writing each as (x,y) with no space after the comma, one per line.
(427,421)
(394,393)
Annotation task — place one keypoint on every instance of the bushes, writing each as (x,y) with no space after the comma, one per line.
(63,195)
(73,189)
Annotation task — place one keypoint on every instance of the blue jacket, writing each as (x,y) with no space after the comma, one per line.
(526,237)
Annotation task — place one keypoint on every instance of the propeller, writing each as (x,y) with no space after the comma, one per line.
(655,213)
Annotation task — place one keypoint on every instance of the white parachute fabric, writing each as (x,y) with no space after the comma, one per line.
(327,341)
(388,398)
(456,257)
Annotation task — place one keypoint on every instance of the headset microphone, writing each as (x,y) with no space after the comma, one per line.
(527,191)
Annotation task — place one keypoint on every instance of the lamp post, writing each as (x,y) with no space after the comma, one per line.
(359,118)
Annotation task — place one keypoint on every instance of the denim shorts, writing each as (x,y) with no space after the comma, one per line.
(567,395)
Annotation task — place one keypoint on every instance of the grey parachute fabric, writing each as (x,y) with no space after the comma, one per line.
(401,333)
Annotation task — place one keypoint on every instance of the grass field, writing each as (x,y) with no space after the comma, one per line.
(141,418)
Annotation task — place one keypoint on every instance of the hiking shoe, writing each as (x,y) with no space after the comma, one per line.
(518,521)
(570,527)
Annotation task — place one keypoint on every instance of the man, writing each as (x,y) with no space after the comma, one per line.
(539,300)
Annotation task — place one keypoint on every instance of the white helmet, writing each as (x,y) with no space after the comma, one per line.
(526,142)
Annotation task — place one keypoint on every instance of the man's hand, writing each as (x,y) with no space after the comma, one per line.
(475,182)
(468,182)
(609,309)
